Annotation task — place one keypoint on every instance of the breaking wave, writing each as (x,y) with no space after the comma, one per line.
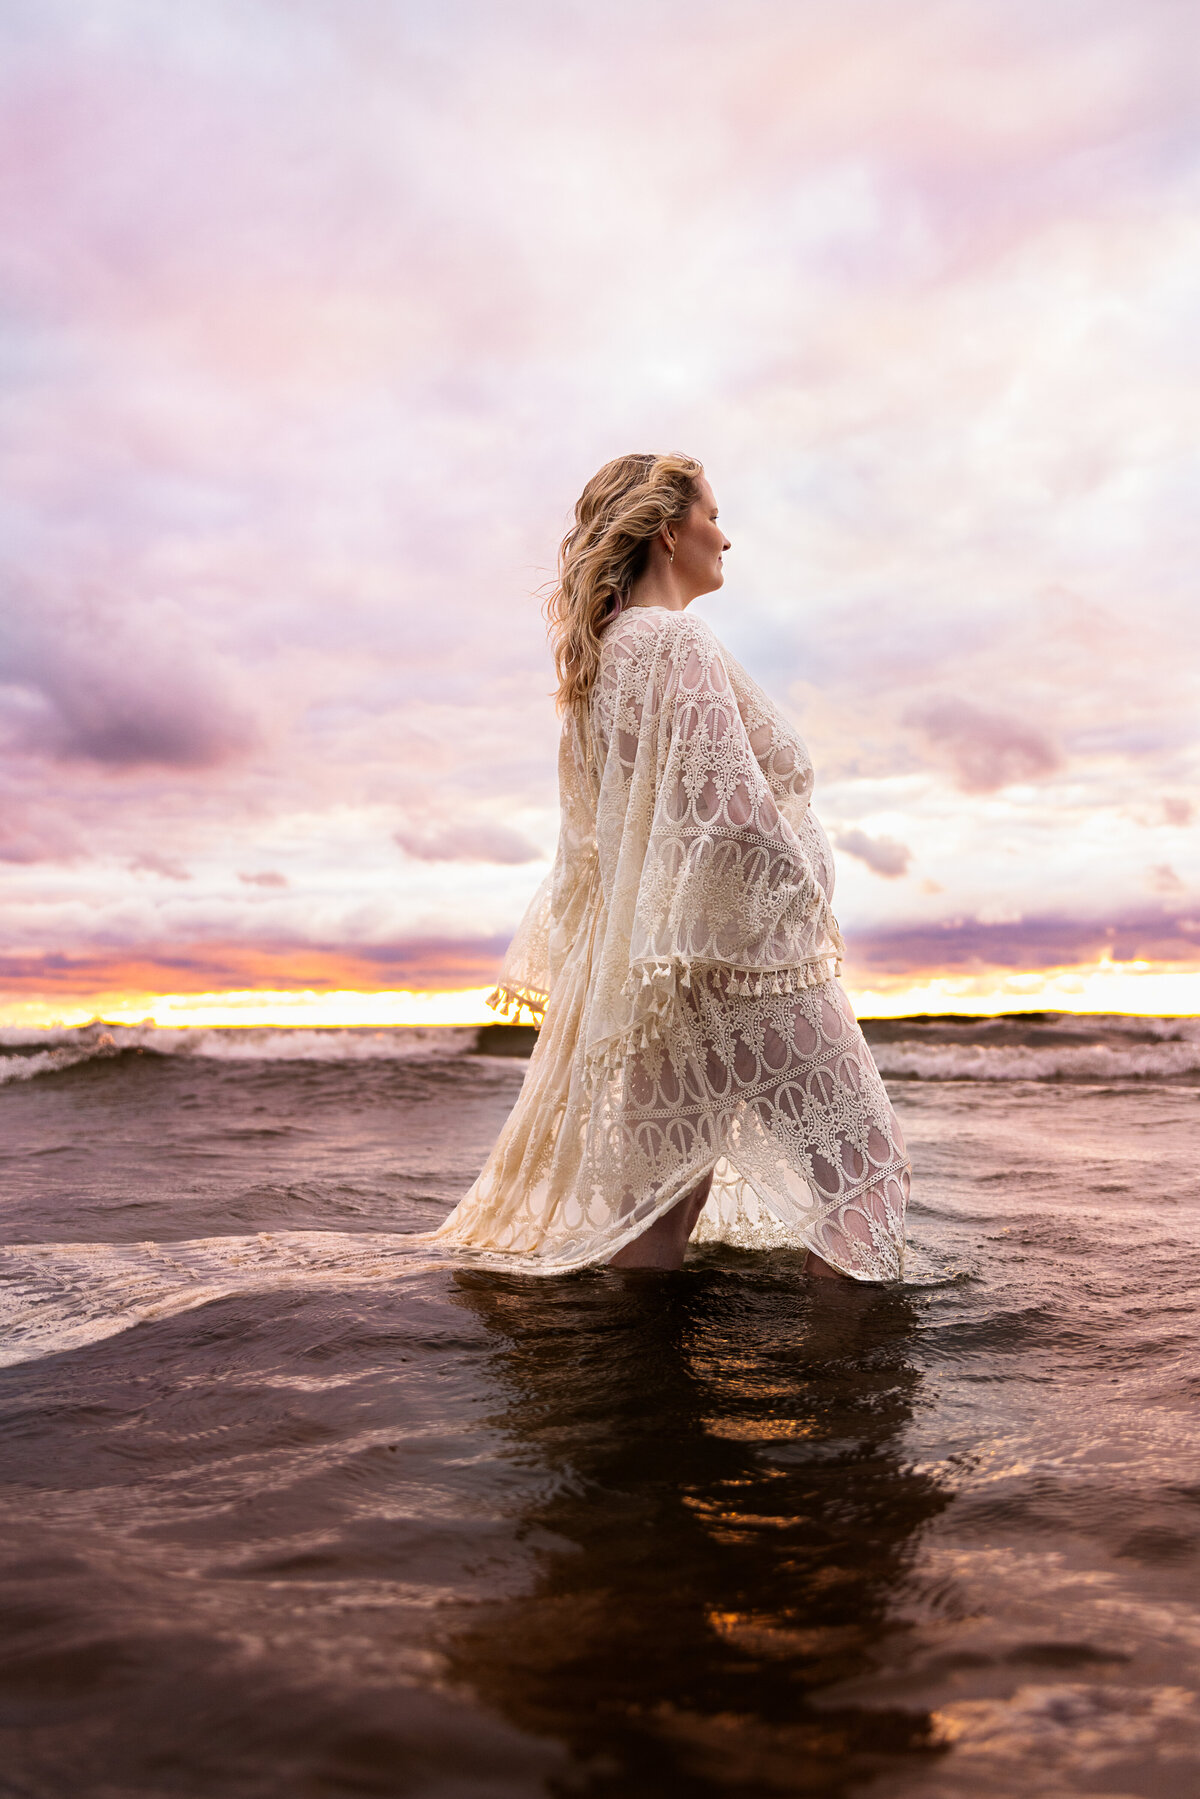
(1087,1062)
(1029,1047)
(25,1053)
(1044,1046)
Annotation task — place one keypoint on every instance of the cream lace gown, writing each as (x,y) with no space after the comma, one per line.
(681,956)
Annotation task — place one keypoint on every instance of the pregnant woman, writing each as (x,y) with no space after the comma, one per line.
(699,1070)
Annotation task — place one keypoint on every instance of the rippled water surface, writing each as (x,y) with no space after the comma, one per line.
(292,1508)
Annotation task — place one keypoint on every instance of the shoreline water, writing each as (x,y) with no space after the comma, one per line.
(289,1509)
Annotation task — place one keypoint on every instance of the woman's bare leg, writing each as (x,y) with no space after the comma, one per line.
(815,1265)
(663,1244)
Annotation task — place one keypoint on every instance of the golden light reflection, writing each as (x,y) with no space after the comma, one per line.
(763,1635)
(756,1430)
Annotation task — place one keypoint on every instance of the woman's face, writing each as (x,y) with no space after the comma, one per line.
(699,545)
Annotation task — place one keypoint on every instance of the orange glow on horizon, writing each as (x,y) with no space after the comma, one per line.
(1128,987)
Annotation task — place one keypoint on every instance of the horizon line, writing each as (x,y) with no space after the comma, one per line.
(1136,989)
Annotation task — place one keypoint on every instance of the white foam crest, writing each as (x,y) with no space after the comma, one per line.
(68,1047)
(1129,1024)
(295,1044)
(50,1061)
(1175,1054)
(61,1296)
(1022,1062)
(28,1036)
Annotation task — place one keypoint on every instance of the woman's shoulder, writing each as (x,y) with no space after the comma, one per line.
(656,624)
(646,639)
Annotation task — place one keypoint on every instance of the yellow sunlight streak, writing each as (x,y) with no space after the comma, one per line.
(1129,987)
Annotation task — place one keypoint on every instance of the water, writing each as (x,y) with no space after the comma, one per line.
(292,1508)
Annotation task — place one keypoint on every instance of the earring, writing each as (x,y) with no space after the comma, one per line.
(671,557)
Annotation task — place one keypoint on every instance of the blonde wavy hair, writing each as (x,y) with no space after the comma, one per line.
(617,516)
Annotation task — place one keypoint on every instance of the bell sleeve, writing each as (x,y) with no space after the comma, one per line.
(557,912)
(524,982)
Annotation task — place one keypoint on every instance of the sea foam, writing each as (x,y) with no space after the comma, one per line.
(1046,1047)
(22,1055)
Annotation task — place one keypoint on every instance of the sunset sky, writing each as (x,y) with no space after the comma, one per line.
(317,314)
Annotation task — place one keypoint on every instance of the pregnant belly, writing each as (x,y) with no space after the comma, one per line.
(816,845)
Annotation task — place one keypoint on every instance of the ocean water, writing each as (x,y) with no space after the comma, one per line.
(291,1507)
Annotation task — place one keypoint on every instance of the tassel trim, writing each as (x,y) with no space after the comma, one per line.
(656,994)
(511,1002)
(665,979)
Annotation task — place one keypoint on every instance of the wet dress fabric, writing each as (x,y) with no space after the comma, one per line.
(681,958)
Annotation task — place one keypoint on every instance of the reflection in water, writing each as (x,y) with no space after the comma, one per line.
(729,1521)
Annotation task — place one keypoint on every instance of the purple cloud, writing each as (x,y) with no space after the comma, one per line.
(965,945)
(883,855)
(103,679)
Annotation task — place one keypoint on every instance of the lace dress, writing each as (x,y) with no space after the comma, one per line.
(681,957)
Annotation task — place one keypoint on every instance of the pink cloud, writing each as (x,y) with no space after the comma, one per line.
(479,842)
(317,318)
(420,963)
(30,833)
(984,750)
(164,866)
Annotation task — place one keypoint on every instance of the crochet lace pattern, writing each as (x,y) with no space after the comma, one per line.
(681,958)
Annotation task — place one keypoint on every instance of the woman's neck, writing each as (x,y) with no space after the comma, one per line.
(659,585)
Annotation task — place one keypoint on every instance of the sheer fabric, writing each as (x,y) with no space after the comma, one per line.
(681,957)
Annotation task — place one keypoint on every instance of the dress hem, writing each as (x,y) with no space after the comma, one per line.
(524,1261)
